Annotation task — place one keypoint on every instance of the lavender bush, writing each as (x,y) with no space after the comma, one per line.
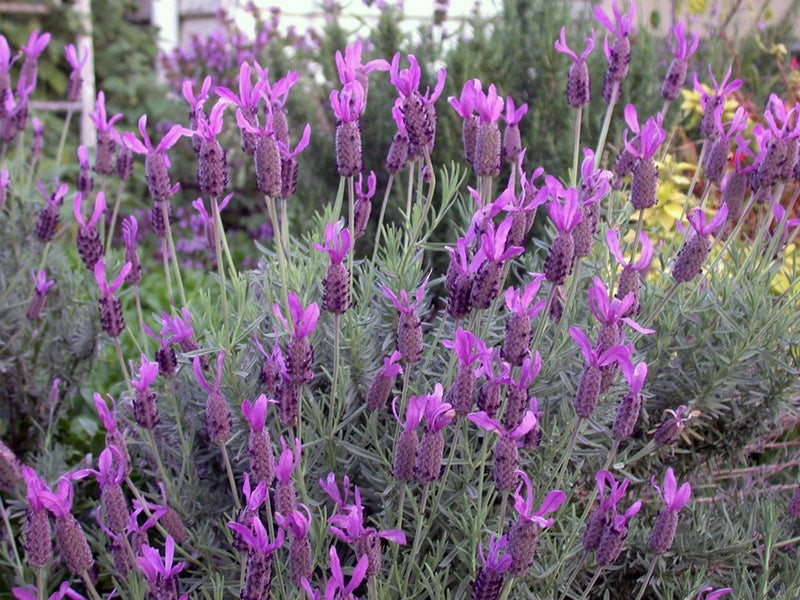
(574,414)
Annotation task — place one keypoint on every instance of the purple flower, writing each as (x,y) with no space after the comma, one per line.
(402,303)
(197,366)
(350,67)
(330,487)
(41,282)
(464,105)
(295,522)
(774,115)
(29,592)
(337,242)
(348,104)
(348,526)
(709,593)
(484,421)
(83,157)
(650,137)
(264,130)
(99,208)
(489,106)
(72,55)
(179,328)
(210,127)
(618,354)
(407,80)
(36,44)
(622,25)
(697,219)
(513,114)
(130,229)
(249,94)
(303,320)
(520,301)
(674,498)
(256,412)
(196,101)
(36,488)
(59,503)
(720,89)
(100,277)
(254,497)
(99,117)
(146,147)
(110,468)
(414,411)
(108,417)
(495,559)
(635,376)
(278,93)
(678,43)
(153,567)
(255,536)
(493,241)
(336,581)
(371,186)
(561,46)
(527,373)
(594,182)
(147,375)
(302,144)
(523,504)
(57,197)
(565,216)
(609,312)
(288,460)
(391,365)
(467,346)
(438,413)
(612,239)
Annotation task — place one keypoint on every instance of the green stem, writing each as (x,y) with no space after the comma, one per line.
(591,583)
(276,233)
(559,472)
(124,368)
(332,406)
(734,234)
(409,192)
(90,586)
(231,479)
(673,288)
(63,139)
(577,568)
(173,254)
(647,577)
(576,147)
(114,214)
(139,315)
(220,268)
(41,592)
(351,228)
(379,230)
(167,275)
(11,540)
(506,590)
(417,534)
(601,142)
(162,470)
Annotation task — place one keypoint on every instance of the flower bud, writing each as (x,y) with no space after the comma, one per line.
(218,418)
(429,456)
(349,160)
(405,455)
(558,264)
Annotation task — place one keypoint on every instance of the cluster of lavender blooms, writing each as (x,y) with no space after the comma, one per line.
(494,376)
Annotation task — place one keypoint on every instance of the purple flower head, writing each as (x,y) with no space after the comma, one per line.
(565,216)
(302,144)
(336,581)
(145,146)
(620,522)
(348,526)
(616,490)
(612,239)
(523,504)
(371,184)
(197,366)
(99,117)
(83,157)
(651,136)
(72,55)
(179,328)
(391,365)
(29,592)
(99,208)
(520,301)
(407,80)
(337,242)
(679,44)
(210,127)
(130,229)
(709,593)
(403,304)
(5,179)
(349,103)
(622,25)
(464,105)
(147,375)
(736,125)
(36,487)
(108,417)
(262,131)
(330,487)
(618,354)
(594,182)
(484,421)
(493,241)
(36,44)
(635,376)
(254,497)
(295,523)
(249,94)
(489,106)
(496,559)
(397,115)
(608,311)
(110,468)
(288,460)
(697,219)
(153,567)
(527,373)
(674,498)
(721,89)
(100,277)
(57,197)
(561,46)
(304,320)
(438,413)
(196,101)
(350,67)
(514,115)
(6,60)
(59,502)
(256,412)
(41,282)
(278,93)
(781,123)
(255,536)
(200,207)
(467,346)
(778,212)
(414,412)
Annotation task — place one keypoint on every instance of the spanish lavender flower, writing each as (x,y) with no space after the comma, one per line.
(438,414)
(336,586)
(517,399)
(276,96)
(335,286)
(626,161)
(614,534)
(409,326)
(38,535)
(645,173)
(599,519)
(285,495)
(289,163)
(168,517)
(49,215)
(247,100)
(10,468)
(490,577)
(259,444)
(407,446)
(682,49)
(778,145)
(207,220)
(666,524)
(710,103)
(297,525)
(558,264)
(631,275)
(512,142)
(107,137)
(77,63)
(381,387)
(180,331)
(4,186)
(41,287)
(37,143)
(522,309)
(70,539)
(618,54)
(590,386)
(330,487)
(110,474)
(253,499)
(130,229)
(709,593)
(692,256)
(488,145)
(578,88)
(165,355)
(363,205)
(522,536)
(506,454)
(29,592)
(124,164)
(611,315)
(594,186)
(458,282)
(468,349)
(212,174)
(266,154)
(145,410)
(669,431)
(348,526)
(288,398)
(90,247)
(350,68)
(5,81)
(734,183)
(111,318)
(717,157)
(258,569)
(196,104)
(347,107)
(631,403)
(299,353)
(114,437)
(85,183)
(271,367)
(156,162)
(28,71)
(464,105)
(218,414)
(160,574)
(398,152)
(419,114)
(487,281)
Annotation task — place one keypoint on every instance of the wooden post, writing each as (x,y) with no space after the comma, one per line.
(84,41)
